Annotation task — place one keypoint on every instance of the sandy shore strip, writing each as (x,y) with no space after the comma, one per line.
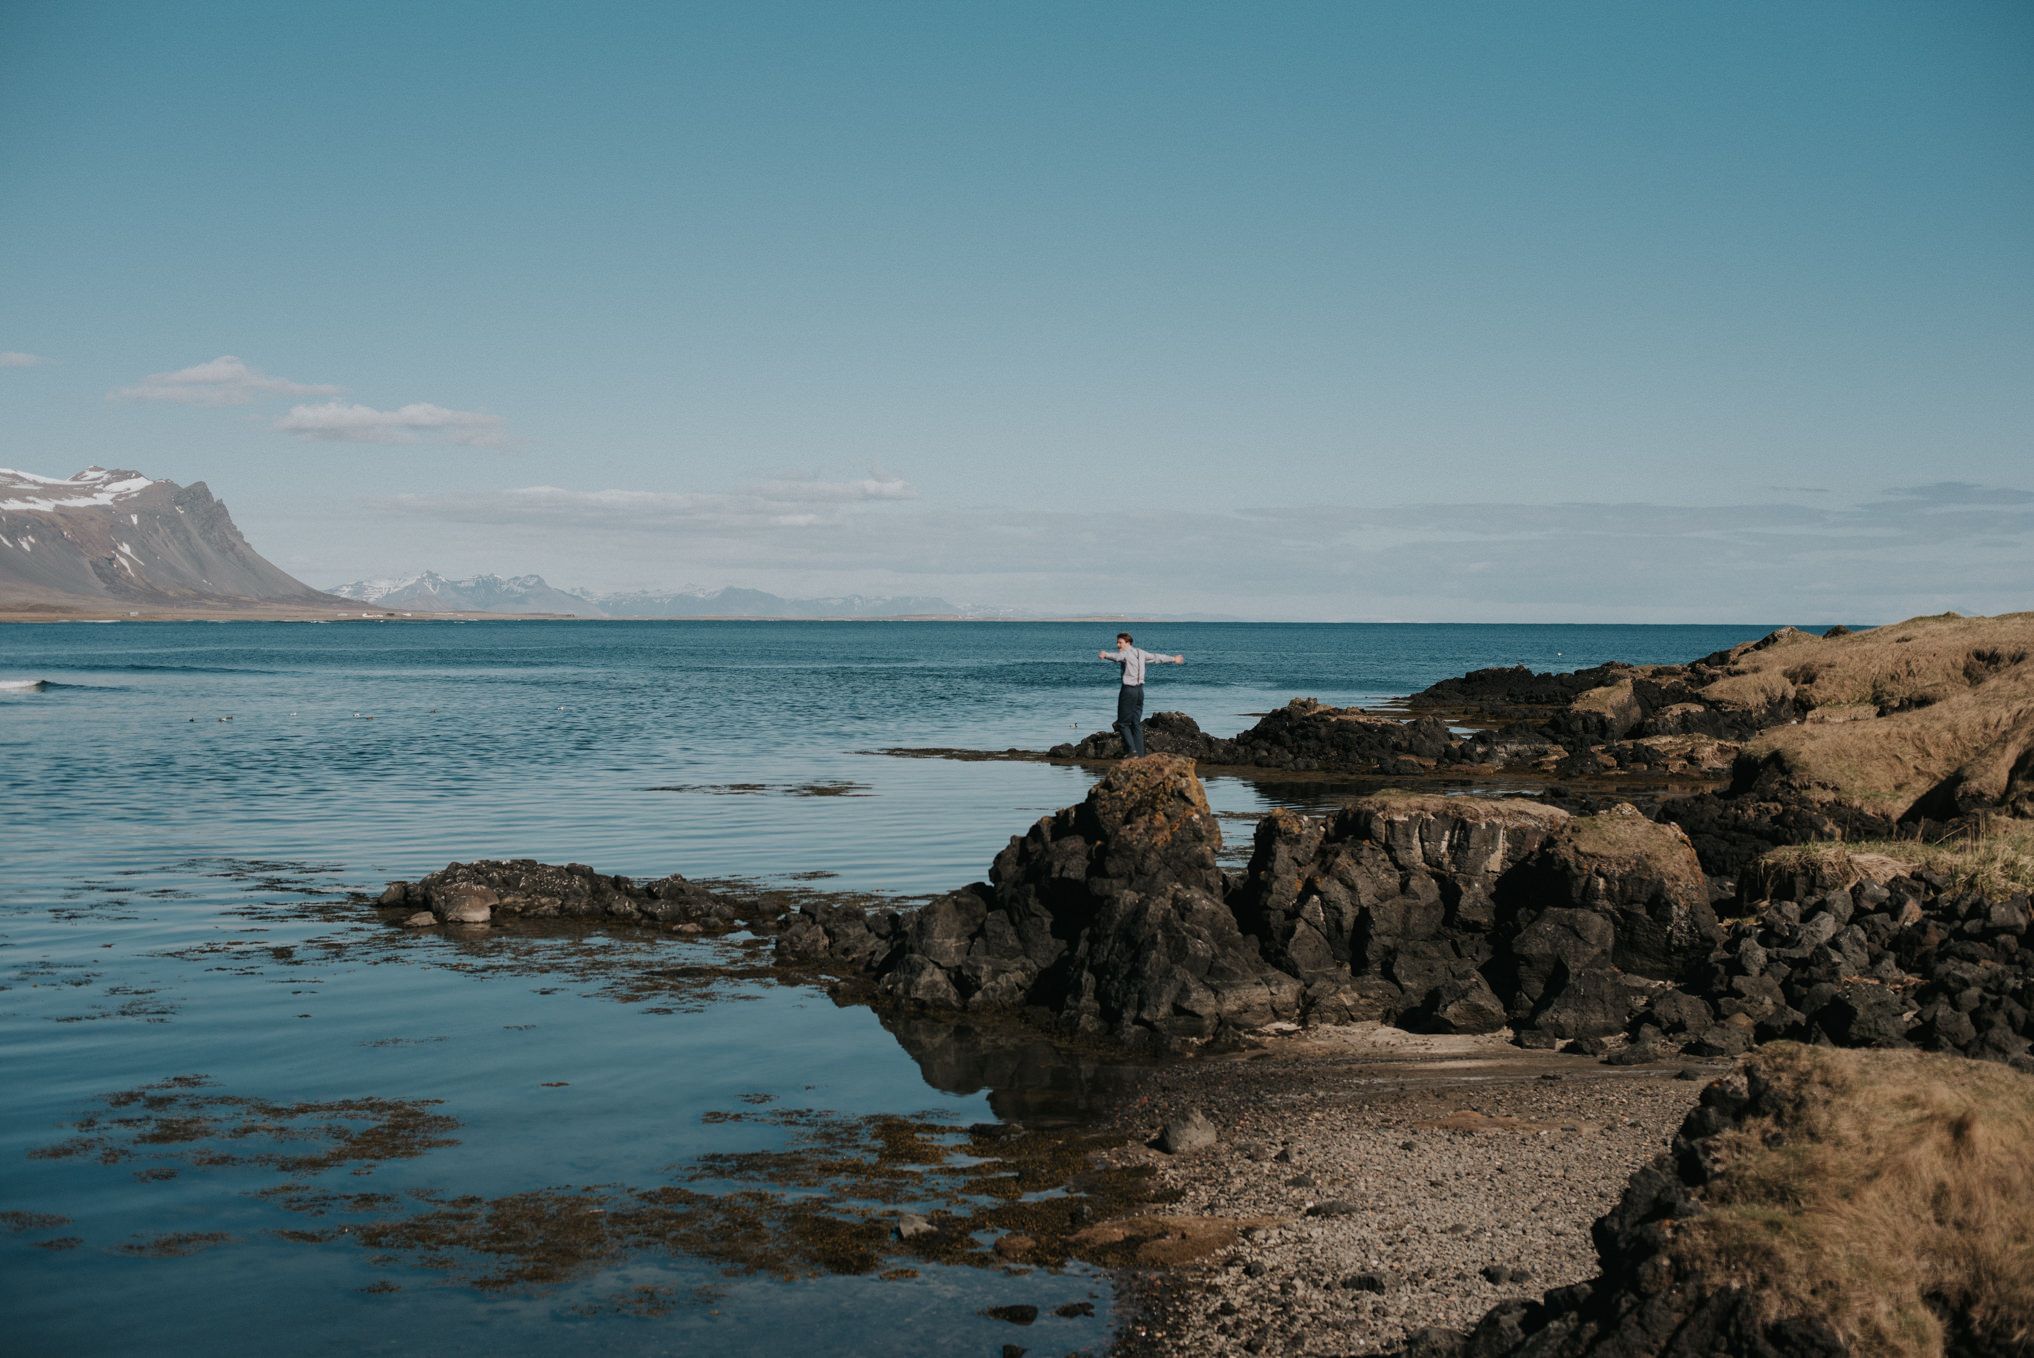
(1408,1181)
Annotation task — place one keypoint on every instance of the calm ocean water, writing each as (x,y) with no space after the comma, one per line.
(183,807)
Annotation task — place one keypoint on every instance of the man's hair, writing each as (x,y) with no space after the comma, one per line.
(1125,636)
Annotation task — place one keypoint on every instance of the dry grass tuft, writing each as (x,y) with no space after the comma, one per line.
(1996,861)
(1893,1191)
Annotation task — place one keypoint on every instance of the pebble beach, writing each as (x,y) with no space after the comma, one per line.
(1403,1181)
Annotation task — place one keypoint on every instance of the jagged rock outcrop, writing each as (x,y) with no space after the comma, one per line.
(1109,915)
(1461,914)
(1456,914)
(1613,702)
(1385,911)
(1609,903)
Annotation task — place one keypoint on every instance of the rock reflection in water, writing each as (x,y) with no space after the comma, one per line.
(1030,1079)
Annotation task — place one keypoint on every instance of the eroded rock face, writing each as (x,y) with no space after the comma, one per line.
(1384,912)
(1607,904)
(1110,915)
(1463,914)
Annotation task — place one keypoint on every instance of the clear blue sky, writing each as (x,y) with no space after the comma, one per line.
(1457,311)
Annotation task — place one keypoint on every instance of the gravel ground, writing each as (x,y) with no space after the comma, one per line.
(1417,1181)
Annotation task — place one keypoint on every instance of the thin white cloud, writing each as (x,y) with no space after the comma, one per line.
(877,485)
(1971,549)
(346,422)
(784,502)
(15,359)
(225,381)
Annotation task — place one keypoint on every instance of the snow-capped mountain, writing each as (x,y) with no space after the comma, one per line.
(117,537)
(478,594)
(530,594)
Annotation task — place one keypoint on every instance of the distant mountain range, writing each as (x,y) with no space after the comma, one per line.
(119,544)
(116,541)
(531,594)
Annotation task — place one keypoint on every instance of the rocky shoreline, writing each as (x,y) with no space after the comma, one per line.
(1917,729)
(1552,969)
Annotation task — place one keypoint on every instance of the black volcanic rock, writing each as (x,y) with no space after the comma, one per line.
(523,888)
(1384,911)
(1304,734)
(1109,916)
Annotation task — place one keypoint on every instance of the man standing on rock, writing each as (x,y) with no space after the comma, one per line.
(1130,697)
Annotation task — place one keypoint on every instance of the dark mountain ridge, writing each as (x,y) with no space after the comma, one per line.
(104,538)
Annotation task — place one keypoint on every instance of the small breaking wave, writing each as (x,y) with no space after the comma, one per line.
(23,685)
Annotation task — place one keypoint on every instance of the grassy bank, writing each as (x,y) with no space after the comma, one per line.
(1890,1199)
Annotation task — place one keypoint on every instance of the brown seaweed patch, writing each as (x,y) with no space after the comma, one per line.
(826,1202)
(32,1221)
(301,1138)
(649,1300)
(62,1242)
(824,1199)
(175,1244)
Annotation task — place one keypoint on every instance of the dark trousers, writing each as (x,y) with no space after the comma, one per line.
(1130,717)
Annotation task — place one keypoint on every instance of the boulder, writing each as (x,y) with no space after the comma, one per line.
(463,903)
(1643,877)
(1190,1131)
(1110,915)
(1863,1014)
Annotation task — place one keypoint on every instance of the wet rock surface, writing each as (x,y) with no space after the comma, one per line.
(522,888)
